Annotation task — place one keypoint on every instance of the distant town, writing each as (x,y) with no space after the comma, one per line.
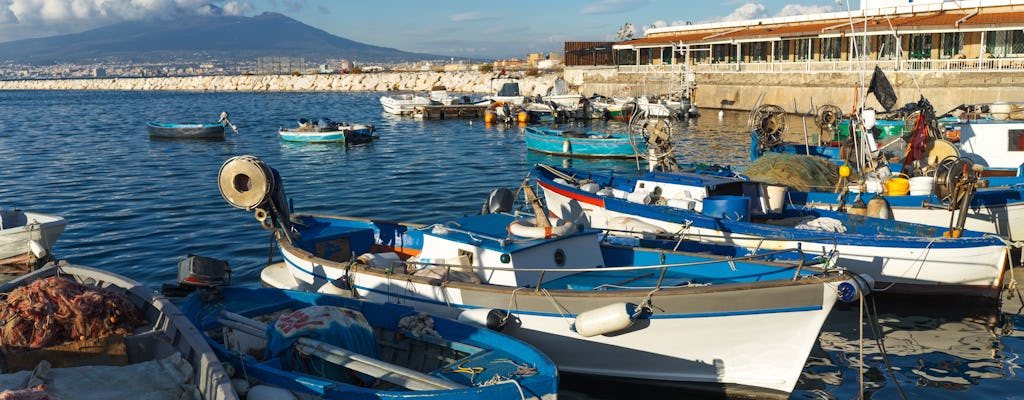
(264,66)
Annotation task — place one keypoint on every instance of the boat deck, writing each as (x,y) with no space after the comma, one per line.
(455,111)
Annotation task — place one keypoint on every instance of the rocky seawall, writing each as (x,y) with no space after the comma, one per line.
(467,82)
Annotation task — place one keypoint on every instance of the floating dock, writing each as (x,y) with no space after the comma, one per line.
(454,111)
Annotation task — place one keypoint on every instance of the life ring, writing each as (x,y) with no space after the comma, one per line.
(527,227)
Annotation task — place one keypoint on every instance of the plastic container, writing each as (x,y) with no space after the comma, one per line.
(734,208)
(776,198)
(921,185)
(1000,110)
(898,185)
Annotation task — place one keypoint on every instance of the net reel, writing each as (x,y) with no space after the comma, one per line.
(955,182)
(767,123)
(827,118)
(656,133)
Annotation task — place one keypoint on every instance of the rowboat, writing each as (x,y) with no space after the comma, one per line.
(27,235)
(571,143)
(331,347)
(197,131)
(325,130)
(605,310)
(900,257)
(164,356)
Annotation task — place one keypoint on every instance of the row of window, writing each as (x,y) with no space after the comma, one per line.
(919,46)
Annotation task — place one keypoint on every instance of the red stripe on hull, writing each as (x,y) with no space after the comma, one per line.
(580,198)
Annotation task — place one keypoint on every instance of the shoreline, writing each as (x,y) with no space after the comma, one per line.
(462,82)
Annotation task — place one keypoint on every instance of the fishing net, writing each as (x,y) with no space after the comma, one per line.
(800,172)
(56,310)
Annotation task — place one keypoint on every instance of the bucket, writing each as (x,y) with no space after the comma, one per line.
(776,198)
(734,208)
(921,185)
(898,185)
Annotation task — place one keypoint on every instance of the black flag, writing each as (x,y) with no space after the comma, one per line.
(882,89)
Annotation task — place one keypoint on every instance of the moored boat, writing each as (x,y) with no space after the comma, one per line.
(559,289)
(325,130)
(572,143)
(899,256)
(126,339)
(198,131)
(403,103)
(332,347)
(26,237)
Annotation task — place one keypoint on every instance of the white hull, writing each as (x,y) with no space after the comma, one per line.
(986,143)
(42,228)
(722,350)
(402,104)
(1000,219)
(934,270)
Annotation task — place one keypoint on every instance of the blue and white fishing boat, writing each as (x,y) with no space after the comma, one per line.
(197,131)
(940,177)
(165,357)
(899,256)
(604,310)
(324,130)
(332,347)
(572,143)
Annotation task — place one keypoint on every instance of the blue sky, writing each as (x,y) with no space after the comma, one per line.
(477,29)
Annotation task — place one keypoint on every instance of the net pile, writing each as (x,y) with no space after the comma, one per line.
(55,310)
(800,172)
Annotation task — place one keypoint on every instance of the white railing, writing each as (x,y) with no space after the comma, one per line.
(986,65)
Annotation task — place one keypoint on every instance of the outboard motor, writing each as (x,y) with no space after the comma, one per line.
(500,200)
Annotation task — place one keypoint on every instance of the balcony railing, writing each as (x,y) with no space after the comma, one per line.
(978,65)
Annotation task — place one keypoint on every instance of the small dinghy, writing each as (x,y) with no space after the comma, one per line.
(27,238)
(101,336)
(195,131)
(324,130)
(571,143)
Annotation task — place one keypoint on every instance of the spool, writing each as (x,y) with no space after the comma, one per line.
(245,181)
(733,208)
(897,185)
(602,320)
(921,185)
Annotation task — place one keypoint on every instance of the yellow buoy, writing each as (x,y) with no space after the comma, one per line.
(845,171)
(898,185)
(489,117)
(523,117)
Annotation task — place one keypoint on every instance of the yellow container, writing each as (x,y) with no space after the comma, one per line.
(897,185)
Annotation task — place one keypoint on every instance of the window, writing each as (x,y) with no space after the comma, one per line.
(781,49)
(888,47)
(1004,43)
(1016,140)
(920,46)
(804,49)
(952,44)
(831,48)
(723,52)
(700,54)
(757,51)
(861,47)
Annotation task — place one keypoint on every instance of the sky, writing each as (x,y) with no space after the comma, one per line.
(461,29)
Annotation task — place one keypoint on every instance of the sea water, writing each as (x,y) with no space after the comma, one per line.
(135,206)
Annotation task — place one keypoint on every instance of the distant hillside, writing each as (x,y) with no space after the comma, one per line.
(199,38)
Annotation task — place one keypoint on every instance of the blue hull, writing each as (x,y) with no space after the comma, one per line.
(186,131)
(588,144)
(485,353)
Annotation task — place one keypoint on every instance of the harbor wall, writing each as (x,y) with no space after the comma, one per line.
(720,90)
(467,82)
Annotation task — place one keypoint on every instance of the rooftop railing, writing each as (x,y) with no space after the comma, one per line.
(1014,64)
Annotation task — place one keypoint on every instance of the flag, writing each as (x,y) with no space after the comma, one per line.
(882,89)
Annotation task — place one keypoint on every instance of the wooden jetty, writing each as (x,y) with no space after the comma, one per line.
(454,111)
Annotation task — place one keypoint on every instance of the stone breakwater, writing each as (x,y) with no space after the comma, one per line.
(467,82)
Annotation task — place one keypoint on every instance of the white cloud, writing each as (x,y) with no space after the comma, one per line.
(21,19)
(746,11)
(613,6)
(467,16)
(797,9)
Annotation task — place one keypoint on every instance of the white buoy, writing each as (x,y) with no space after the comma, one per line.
(566,147)
(721,114)
(37,249)
(610,318)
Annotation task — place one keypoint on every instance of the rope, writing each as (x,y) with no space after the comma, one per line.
(877,330)
(561,311)
(922,258)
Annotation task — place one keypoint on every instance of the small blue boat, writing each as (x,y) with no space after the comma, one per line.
(572,143)
(324,130)
(195,131)
(332,347)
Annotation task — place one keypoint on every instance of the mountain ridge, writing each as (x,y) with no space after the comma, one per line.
(200,38)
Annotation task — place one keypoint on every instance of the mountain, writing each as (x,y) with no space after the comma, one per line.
(198,38)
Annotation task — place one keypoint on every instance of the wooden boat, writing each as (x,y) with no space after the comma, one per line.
(165,356)
(899,256)
(331,347)
(403,103)
(325,130)
(572,143)
(562,291)
(26,235)
(199,131)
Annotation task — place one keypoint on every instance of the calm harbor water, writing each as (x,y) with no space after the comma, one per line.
(135,206)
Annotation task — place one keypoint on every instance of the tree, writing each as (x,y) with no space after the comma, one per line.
(625,33)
